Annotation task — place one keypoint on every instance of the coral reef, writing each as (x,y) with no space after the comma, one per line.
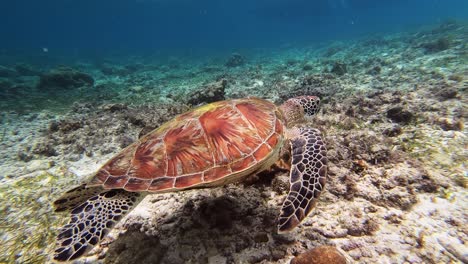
(24,69)
(339,68)
(320,255)
(235,60)
(439,45)
(7,72)
(394,124)
(110,69)
(209,93)
(64,78)
(400,115)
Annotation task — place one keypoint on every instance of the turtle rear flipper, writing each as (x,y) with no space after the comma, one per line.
(91,221)
(307,176)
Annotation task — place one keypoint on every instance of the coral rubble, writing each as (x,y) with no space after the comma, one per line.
(393,117)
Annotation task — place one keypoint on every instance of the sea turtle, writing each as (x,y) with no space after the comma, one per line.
(210,146)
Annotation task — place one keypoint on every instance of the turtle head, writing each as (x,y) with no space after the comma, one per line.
(298,108)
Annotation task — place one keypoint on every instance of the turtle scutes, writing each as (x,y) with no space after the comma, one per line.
(212,145)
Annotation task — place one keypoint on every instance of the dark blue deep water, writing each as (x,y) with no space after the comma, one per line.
(97,27)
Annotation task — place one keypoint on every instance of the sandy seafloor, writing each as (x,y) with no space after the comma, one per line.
(393,115)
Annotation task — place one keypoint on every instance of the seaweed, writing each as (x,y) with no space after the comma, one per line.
(28,229)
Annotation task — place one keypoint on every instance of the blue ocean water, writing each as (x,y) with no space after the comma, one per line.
(90,27)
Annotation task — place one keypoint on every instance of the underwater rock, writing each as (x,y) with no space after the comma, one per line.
(375,70)
(64,78)
(261,237)
(307,67)
(320,255)
(65,126)
(145,130)
(426,184)
(131,68)
(456,77)
(150,249)
(125,141)
(5,84)
(375,41)
(280,184)
(357,227)
(379,152)
(44,149)
(235,60)
(110,69)
(136,88)
(209,93)
(292,62)
(400,115)
(24,69)
(224,222)
(339,68)
(400,198)
(446,92)
(333,50)
(7,72)
(450,124)
(24,155)
(393,131)
(211,69)
(439,45)
(219,213)
(38,165)
(115,107)
(372,148)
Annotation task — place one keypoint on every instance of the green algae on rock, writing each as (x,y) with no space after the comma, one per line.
(28,226)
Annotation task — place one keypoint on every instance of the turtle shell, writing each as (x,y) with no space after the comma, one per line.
(208,146)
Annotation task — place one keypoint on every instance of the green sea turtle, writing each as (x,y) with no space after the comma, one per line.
(210,146)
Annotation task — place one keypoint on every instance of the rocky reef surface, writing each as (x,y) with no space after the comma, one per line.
(393,117)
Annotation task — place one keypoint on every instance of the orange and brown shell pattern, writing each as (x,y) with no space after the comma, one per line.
(208,146)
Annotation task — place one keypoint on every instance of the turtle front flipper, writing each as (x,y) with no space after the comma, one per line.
(75,197)
(307,176)
(92,220)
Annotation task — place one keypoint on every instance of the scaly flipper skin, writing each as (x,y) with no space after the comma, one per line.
(91,221)
(75,197)
(307,177)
